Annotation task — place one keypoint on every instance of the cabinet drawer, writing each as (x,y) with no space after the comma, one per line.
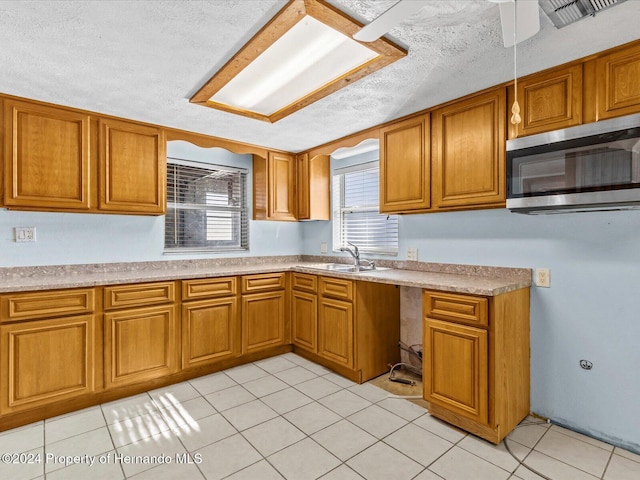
(33,305)
(336,288)
(263,282)
(304,281)
(209,288)
(456,308)
(139,295)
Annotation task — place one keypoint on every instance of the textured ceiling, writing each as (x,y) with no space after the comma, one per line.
(144,59)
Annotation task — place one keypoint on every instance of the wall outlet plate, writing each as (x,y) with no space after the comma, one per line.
(412,254)
(323,247)
(25,234)
(543,277)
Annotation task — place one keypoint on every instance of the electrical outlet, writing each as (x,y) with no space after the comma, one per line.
(25,234)
(323,247)
(412,254)
(543,277)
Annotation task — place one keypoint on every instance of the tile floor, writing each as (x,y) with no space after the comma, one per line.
(286,417)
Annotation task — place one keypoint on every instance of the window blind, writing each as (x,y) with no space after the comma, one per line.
(206,207)
(356,216)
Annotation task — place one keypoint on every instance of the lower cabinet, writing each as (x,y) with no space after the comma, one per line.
(476,360)
(210,326)
(46,361)
(140,343)
(350,326)
(264,316)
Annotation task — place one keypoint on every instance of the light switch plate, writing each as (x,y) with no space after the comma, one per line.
(25,234)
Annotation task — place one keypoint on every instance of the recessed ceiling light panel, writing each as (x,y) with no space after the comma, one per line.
(303,54)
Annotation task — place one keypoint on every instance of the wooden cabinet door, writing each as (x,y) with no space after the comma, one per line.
(617,83)
(468,157)
(132,168)
(210,331)
(335,331)
(282,189)
(46,361)
(313,187)
(140,344)
(263,321)
(456,368)
(304,318)
(548,101)
(405,166)
(46,157)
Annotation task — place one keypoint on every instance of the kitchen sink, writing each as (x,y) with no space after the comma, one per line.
(344,267)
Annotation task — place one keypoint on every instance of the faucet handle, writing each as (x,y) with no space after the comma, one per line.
(355,247)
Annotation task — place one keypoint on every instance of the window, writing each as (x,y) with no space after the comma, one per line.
(355,211)
(206,207)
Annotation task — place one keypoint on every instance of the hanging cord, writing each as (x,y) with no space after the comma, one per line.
(515,109)
(521,462)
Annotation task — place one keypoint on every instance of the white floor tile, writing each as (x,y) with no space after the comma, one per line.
(265,386)
(343,472)
(318,388)
(579,436)
(229,398)
(286,400)
(173,394)
(403,408)
(621,468)
(109,470)
(248,415)
(295,375)
(440,428)
(128,408)
(245,373)
(428,475)
(157,446)
(212,383)
(339,380)
(315,368)
(569,449)
(381,462)
(22,439)
(496,454)
(422,446)
(130,430)
(258,471)
(345,403)
(305,460)
(458,464)
(275,364)
(60,428)
(550,467)
(24,467)
(312,417)
(204,431)
(188,411)
(90,443)
(344,439)
(169,471)
(370,392)
(273,435)
(627,454)
(528,435)
(226,457)
(377,421)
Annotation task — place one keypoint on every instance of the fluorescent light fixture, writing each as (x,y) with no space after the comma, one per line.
(302,55)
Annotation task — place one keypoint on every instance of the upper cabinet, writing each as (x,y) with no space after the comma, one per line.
(405,166)
(468,153)
(614,86)
(274,187)
(548,101)
(47,157)
(132,168)
(314,176)
(60,159)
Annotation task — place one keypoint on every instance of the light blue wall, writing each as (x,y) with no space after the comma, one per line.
(590,312)
(72,238)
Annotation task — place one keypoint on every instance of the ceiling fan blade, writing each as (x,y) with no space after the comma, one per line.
(389,19)
(528,20)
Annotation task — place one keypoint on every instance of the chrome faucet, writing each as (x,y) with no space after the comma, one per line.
(355,253)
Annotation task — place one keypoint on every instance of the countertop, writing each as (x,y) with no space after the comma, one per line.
(473,279)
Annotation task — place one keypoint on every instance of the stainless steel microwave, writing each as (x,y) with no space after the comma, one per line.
(589,167)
